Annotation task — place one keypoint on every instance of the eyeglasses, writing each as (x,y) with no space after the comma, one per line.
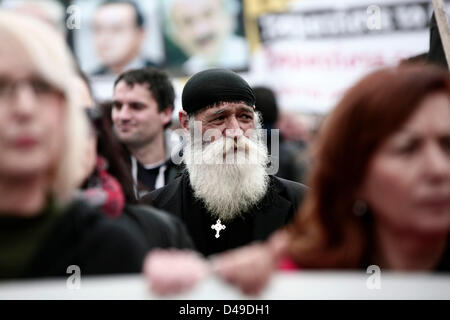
(40,87)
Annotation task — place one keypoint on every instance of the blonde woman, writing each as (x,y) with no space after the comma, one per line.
(43,135)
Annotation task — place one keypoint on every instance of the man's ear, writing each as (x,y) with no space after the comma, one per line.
(166,115)
(184,119)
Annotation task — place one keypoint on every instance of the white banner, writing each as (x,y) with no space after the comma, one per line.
(300,285)
(312,52)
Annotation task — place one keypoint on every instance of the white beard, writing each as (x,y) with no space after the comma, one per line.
(228,188)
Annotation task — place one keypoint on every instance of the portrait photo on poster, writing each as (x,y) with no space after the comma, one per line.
(202,34)
(117,35)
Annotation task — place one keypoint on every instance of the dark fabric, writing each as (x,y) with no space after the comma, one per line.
(83,236)
(211,86)
(20,238)
(444,264)
(436,54)
(147,181)
(148,176)
(266,104)
(292,159)
(275,210)
(160,229)
(173,171)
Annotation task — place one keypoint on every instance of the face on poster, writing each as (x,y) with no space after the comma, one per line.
(117,35)
(201,34)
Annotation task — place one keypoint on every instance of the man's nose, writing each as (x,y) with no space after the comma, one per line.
(233,129)
(124,113)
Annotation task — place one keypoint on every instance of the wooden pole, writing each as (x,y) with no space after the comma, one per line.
(444,29)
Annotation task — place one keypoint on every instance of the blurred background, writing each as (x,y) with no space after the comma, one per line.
(307,51)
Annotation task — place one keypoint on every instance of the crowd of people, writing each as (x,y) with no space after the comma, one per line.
(111,188)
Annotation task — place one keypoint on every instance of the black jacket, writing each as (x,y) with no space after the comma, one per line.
(274,211)
(85,237)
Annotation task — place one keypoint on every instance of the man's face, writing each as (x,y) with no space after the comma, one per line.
(117,37)
(224,130)
(231,119)
(135,115)
(231,152)
(200,26)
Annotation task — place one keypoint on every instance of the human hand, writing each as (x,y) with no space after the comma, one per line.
(174,271)
(249,268)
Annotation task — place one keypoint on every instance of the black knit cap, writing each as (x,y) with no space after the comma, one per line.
(211,86)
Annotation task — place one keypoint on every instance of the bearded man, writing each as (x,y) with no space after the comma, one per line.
(226,197)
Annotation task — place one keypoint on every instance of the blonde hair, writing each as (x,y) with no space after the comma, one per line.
(53,61)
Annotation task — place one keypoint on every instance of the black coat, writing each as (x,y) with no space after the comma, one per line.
(274,211)
(97,244)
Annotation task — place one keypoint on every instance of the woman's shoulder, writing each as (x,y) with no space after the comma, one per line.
(85,237)
(151,227)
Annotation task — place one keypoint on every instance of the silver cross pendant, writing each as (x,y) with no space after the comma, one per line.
(218,227)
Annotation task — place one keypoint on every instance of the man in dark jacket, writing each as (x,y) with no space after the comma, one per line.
(225,197)
(141,113)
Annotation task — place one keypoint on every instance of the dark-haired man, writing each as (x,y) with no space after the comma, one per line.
(118,28)
(226,198)
(141,112)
